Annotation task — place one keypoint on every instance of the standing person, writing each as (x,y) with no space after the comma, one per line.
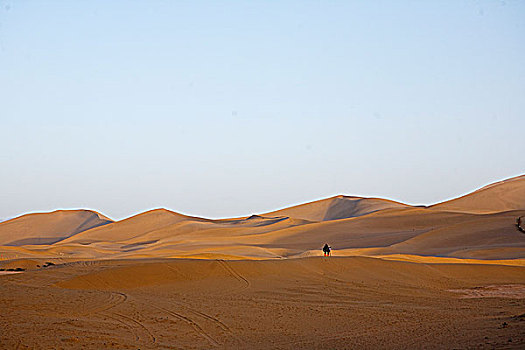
(326,249)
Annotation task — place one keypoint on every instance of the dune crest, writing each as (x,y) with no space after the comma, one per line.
(48,228)
(480,225)
(500,196)
(131,227)
(338,207)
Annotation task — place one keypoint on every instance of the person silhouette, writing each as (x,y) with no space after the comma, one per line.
(326,249)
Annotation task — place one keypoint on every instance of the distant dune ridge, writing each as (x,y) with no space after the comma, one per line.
(49,228)
(480,225)
(339,207)
(128,228)
(497,197)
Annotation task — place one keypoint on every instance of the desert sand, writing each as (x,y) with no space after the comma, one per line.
(451,275)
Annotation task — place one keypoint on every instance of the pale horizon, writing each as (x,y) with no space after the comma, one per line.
(260,212)
(223,110)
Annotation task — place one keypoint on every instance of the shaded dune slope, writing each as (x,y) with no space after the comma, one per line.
(480,225)
(339,207)
(129,228)
(414,231)
(161,226)
(48,228)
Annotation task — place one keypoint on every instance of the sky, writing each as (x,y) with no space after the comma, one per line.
(228,108)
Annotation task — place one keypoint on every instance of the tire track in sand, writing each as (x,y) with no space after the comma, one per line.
(234,273)
(115,299)
(196,327)
(136,327)
(218,323)
(127,325)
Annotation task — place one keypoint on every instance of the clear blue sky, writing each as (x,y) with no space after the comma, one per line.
(227,108)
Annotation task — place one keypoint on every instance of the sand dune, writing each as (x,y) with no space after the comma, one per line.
(48,228)
(339,207)
(480,225)
(487,237)
(414,231)
(161,226)
(134,226)
(500,196)
(395,231)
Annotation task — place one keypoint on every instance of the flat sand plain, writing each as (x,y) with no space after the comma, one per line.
(307,303)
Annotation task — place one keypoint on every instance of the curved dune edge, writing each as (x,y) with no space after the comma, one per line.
(504,195)
(50,227)
(130,274)
(37,263)
(368,253)
(446,260)
(449,232)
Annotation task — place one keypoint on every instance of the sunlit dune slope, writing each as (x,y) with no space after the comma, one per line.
(489,236)
(362,269)
(160,226)
(407,231)
(500,196)
(481,225)
(48,228)
(339,207)
(394,231)
(134,226)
